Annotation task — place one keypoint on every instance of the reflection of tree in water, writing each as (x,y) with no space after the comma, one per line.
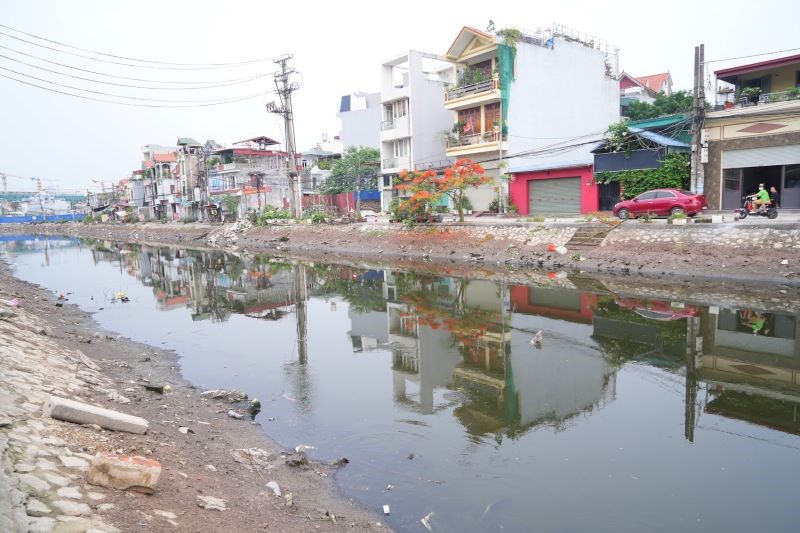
(362,294)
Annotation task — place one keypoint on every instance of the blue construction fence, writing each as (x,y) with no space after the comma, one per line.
(24,219)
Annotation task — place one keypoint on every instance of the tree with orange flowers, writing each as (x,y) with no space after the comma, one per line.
(428,187)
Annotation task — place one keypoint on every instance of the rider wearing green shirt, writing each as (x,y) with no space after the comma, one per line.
(761,197)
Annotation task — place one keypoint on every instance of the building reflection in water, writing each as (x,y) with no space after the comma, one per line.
(465,344)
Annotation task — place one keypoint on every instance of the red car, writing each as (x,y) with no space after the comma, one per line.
(661,202)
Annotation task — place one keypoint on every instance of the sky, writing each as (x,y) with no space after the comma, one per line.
(337,48)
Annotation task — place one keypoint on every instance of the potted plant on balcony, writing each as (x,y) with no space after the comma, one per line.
(751,94)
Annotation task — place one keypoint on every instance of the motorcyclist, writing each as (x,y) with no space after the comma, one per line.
(760,199)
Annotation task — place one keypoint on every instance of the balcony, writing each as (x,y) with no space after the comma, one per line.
(395,164)
(757,103)
(462,145)
(394,129)
(484,92)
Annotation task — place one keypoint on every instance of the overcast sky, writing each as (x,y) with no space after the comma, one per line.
(337,46)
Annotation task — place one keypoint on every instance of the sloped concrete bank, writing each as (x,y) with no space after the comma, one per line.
(747,253)
(45,463)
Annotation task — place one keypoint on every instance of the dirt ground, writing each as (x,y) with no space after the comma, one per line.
(239,478)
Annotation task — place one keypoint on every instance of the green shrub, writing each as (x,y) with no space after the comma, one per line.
(272,213)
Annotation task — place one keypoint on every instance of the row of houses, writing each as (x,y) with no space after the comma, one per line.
(531,106)
(188,181)
(533,110)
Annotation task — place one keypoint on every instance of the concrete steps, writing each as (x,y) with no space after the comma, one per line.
(588,237)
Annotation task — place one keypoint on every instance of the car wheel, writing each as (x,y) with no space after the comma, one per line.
(623,214)
(676,211)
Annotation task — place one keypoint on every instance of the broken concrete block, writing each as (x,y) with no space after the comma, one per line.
(211,503)
(82,413)
(124,471)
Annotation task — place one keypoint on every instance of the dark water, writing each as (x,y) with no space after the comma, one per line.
(632,415)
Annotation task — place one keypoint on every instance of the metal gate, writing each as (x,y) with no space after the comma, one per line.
(609,195)
(561,196)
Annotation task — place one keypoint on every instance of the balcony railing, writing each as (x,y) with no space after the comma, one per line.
(479,138)
(387,125)
(764,98)
(475,88)
(390,163)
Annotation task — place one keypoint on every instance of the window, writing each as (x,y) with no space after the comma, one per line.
(304,163)
(797,79)
(400,108)
(646,196)
(791,177)
(470,120)
(665,194)
(401,148)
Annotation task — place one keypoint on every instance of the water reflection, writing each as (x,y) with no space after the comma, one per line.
(459,353)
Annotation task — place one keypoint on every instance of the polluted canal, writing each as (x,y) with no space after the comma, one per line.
(474,405)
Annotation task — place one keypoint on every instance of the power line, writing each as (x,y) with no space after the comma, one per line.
(131,104)
(246,80)
(116,76)
(752,55)
(176,66)
(111,94)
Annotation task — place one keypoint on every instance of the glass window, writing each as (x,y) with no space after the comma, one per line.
(646,196)
(792,177)
(665,194)
(471,120)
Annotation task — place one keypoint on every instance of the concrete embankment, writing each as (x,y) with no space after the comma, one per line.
(746,252)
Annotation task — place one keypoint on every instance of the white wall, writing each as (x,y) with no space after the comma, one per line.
(428,115)
(559,93)
(362,127)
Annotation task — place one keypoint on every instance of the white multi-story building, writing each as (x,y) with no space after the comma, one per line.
(532,101)
(414,122)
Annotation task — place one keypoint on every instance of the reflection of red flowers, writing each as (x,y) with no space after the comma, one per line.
(551,247)
(552,275)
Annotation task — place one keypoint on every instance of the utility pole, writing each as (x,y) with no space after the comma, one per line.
(699,143)
(284,90)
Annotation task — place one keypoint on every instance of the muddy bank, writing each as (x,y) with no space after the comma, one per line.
(45,461)
(752,254)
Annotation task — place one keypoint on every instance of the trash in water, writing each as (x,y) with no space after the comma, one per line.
(537,339)
(426,521)
(234,414)
(303,447)
(385,509)
(289,397)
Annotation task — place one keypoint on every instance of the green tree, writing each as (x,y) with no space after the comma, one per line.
(677,102)
(357,170)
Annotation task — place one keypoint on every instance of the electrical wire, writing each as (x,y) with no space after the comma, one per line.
(752,55)
(118,95)
(120,77)
(176,66)
(135,86)
(132,104)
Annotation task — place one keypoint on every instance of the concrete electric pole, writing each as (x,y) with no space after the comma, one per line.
(699,143)
(284,89)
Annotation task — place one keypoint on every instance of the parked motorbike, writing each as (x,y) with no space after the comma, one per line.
(749,208)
